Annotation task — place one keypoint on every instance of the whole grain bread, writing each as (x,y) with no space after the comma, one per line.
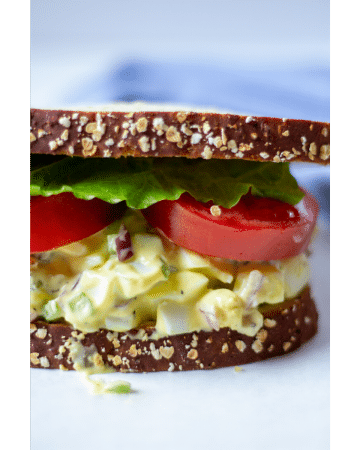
(141,129)
(286,327)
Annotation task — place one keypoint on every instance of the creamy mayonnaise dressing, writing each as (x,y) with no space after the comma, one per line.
(175,289)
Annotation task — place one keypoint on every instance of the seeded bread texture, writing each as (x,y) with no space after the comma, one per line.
(286,327)
(145,129)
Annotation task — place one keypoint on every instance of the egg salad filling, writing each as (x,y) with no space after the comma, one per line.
(173,289)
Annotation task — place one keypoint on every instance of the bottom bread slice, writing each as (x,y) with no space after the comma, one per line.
(286,327)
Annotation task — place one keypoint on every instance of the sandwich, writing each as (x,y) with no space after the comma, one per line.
(166,238)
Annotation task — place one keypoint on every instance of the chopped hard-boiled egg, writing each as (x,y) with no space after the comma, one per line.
(178,290)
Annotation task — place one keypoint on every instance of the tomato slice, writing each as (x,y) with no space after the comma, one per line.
(61,219)
(256,229)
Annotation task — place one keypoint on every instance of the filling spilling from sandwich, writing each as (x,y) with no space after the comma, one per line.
(176,289)
(207,250)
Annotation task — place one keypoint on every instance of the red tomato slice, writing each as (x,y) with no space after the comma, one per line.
(61,219)
(256,229)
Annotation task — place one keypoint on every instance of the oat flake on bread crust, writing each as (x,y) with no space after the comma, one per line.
(159,130)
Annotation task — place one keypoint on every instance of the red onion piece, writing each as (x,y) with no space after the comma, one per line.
(211,319)
(123,244)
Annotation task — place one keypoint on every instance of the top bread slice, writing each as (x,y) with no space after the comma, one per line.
(160,130)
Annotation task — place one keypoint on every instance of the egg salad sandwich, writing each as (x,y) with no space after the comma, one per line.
(167,238)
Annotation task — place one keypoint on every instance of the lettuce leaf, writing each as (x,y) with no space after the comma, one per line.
(144,181)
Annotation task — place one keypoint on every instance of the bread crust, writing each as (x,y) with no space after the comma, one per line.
(286,327)
(178,133)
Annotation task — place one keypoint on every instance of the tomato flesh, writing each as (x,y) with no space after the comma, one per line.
(256,229)
(61,219)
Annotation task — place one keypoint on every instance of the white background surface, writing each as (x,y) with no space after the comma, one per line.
(73,41)
(277,45)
